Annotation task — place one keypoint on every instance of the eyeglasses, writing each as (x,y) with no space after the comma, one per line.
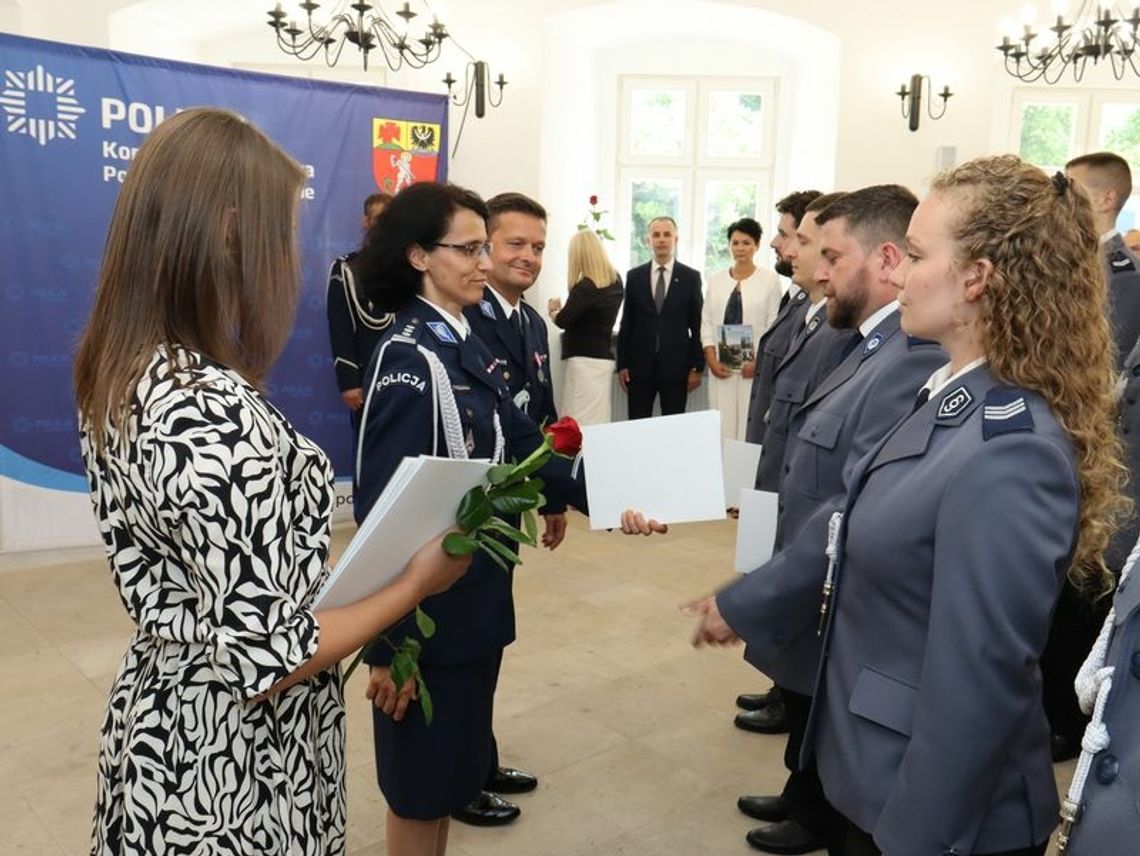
(472,250)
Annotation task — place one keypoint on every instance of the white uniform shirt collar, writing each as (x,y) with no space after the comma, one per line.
(1108,236)
(813,310)
(503,302)
(943,377)
(458,324)
(877,318)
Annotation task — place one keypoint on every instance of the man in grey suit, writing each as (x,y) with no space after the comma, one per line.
(875,386)
(764,712)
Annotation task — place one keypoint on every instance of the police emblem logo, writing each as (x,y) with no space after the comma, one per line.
(442,332)
(872,344)
(487,309)
(813,323)
(953,403)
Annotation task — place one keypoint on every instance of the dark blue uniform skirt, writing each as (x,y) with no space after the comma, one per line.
(429,771)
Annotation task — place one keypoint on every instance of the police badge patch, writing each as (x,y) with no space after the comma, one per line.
(442,332)
(953,403)
(487,309)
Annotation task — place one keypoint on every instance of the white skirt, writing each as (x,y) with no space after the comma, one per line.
(587,390)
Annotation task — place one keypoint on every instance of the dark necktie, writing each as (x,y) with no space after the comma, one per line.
(517,320)
(921,399)
(659,288)
(784,298)
(855,342)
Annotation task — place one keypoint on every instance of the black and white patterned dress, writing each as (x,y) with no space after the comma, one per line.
(215,514)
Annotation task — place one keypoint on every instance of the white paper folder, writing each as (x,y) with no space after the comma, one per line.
(741,461)
(756,529)
(420,501)
(668,468)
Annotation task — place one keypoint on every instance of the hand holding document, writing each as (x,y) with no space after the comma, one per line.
(419,502)
(668,468)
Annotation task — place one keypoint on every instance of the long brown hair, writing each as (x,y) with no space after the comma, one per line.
(201,252)
(1045,321)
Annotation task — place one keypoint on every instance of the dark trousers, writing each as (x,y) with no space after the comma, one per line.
(859,843)
(803,790)
(498,665)
(643,390)
(1076,624)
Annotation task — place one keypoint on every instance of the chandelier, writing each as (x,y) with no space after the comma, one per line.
(367,26)
(1095,34)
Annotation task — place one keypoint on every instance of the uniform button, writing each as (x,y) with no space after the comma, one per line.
(1107,769)
(470,413)
(1134,665)
(814,431)
(506,375)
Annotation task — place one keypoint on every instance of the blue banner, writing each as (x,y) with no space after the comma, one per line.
(73,119)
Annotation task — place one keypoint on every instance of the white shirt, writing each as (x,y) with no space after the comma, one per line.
(458,324)
(1107,236)
(943,378)
(506,304)
(813,310)
(877,317)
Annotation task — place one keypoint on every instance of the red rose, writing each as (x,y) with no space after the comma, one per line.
(565,436)
(593,200)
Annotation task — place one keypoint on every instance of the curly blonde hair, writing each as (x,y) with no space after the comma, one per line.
(1045,322)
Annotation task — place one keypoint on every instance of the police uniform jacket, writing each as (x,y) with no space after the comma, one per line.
(814,352)
(770,349)
(405,414)
(1110,815)
(354,325)
(1128,409)
(668,341)
(525,361)
(927,726)
(844,417)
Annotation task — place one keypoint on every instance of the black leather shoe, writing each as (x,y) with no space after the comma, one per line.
(487,810)
(772,719)
(755,701)
(508,780)
(767,809)
(1064,747)
(787,836)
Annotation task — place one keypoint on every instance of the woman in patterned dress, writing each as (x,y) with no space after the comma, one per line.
(224,730)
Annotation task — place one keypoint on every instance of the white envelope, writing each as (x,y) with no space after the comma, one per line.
(741,460)
(669,468)
(755,529)
(419,501)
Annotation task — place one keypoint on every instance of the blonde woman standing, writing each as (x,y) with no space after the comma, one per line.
(741,295)
(587,321)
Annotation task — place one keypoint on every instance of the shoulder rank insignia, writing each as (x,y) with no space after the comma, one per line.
(1005,412)
(442,332)
(487,309)
(872,344)
(1120,262)
(953,403)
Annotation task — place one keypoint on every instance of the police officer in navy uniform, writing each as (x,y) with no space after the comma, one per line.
(515,334)
(355,326)
(765,712)
(935,594)
(435,389)
(861,236)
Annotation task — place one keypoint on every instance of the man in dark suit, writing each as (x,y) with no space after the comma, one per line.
(659,340)
(515,334)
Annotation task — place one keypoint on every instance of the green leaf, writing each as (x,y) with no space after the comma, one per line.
(493,547)
(504,528)
(582,227)
(458,544)
(412,647)
(512,504)
(541,500)
(425,624)
(606,234)
(597,215)
(530,488)
(402,669)
(499,473)
(530,524)
(474,510)
(425,698)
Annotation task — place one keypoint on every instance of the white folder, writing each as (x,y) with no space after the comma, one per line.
(741,461)
(755,529)
(669,468)
(420,501)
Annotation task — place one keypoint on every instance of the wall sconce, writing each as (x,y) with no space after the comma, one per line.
(912,99)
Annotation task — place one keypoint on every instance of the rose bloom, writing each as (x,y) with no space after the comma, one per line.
(565,435)
(593,200)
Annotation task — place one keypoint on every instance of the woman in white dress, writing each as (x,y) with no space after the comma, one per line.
(741,295)
(587,321)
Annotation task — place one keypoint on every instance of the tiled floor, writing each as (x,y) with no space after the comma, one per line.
(628,728)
